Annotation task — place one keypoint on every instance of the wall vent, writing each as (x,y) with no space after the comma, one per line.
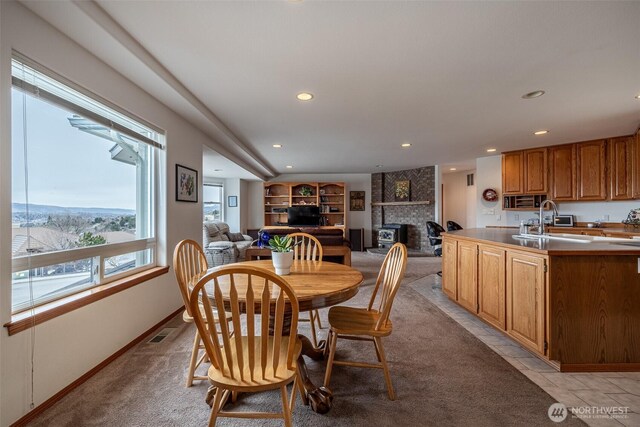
(469,180)
(157,338)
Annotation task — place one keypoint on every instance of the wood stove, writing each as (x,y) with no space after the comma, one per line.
(389,234)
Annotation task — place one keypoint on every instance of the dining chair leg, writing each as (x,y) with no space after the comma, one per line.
(215,408)
(314,337)
(332,352)
(303,392)
(385,368)
(292,399)
(375,343)
(194,359)
(286,414)
(317,315)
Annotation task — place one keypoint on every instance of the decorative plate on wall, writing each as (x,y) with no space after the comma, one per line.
(490,195)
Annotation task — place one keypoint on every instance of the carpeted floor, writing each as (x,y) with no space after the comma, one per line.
(443,376)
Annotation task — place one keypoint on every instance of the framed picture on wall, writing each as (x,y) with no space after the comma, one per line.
(356,200)
(403,191)
(186,184)
(232,201)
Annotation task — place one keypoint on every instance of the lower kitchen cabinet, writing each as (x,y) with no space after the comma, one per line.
(450,268)
(526,280)
(491,285)
(468,275)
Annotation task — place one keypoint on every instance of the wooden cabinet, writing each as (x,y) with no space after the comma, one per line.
(621,152)
(635,168)
(562,172)
(525,285)
(491,285)
(450,268)
(329,196)
(535,171)
(512,173)
(467,283)
(592,170)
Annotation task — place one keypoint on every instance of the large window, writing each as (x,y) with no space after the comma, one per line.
(82,189)
(212,195)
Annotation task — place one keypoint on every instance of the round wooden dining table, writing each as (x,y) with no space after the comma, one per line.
(317,284)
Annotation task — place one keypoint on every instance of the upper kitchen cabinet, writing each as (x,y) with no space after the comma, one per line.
(512,173)
(621,153)
(563,182)
(636,165)
(535,171)
(592,170)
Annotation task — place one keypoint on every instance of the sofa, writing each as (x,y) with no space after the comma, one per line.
(216,235)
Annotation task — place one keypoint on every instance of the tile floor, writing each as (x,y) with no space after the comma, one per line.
(581,391)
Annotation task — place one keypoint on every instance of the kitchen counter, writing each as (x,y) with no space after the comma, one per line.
(504,237)
(575,305)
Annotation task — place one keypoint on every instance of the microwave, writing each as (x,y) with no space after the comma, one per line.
(563,221)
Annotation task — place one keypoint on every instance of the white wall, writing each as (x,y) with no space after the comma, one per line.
(70,345)
(459,199)
(489,175)
(232,214)
(353,182)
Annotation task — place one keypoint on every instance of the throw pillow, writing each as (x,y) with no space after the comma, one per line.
(235,237)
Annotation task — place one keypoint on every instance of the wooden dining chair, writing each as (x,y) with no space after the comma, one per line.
(262,355)
(308,248)
(371,323)
(190,264)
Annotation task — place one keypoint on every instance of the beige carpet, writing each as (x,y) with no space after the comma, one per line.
(443,376)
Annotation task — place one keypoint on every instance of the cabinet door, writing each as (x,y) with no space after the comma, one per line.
(535,171)
(491,285)
(468,275)
(562,167)
(620,166)
(525,299)
(592,168)
(635,165)
(512,173)
(450,267)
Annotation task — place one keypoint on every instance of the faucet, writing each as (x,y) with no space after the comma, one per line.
(542,205)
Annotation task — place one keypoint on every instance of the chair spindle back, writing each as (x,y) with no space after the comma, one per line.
(309,249)
(388,282)
(190,264)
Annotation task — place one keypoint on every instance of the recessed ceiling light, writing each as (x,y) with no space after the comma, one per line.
(637,96)
(541,132)
(453,169)
(379,166)
(217,170)
(534,94)
(289,167)
(304,96)
(277,145)
(405,145)
(491,150)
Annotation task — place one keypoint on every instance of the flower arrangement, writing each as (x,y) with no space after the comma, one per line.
(305,191)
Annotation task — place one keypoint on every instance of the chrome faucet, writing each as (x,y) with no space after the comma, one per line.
(555,212)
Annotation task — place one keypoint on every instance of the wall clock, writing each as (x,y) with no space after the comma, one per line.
(490,195)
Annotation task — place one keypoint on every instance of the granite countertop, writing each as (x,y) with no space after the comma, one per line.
(504,237)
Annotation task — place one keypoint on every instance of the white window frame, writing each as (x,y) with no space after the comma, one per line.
(222,205)
(117,120)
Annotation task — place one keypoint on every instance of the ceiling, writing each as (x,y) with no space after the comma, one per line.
(446,77)
(215,165)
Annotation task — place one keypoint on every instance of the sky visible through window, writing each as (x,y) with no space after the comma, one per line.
(67,167)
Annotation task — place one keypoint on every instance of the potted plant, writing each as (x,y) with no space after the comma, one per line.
(281,254)
(305,191)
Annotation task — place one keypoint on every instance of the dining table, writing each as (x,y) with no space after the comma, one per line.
(317,284)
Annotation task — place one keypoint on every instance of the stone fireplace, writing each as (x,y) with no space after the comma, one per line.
(413,213)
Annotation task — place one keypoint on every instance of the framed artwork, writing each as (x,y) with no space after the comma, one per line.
(186,184)
(232,201)
(403,191)
(356,200)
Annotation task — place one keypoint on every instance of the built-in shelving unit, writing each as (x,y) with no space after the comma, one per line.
(329,196)
(523,202)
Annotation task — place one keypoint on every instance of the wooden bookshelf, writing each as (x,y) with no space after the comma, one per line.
(329,196)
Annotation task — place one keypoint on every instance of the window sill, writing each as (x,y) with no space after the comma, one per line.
(29,318)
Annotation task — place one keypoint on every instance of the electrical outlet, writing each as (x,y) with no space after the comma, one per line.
(498,217)
(605,217)
(516,217)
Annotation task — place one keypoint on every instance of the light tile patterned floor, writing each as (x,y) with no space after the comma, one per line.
(576,390)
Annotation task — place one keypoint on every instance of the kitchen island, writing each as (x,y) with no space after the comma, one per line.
(574,304)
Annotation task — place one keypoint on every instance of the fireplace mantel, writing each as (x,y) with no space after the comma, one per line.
(425,202)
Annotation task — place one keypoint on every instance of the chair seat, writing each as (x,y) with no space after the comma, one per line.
(270,381)
(189,319)
(357,321)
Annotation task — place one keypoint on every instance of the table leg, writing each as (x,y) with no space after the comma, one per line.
(320,398)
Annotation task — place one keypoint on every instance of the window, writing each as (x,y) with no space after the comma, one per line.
(212,198)
(83,205)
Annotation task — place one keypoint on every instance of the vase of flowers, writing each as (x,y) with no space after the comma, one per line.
(281,254)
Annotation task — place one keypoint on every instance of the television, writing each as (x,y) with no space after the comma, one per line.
(303,216)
